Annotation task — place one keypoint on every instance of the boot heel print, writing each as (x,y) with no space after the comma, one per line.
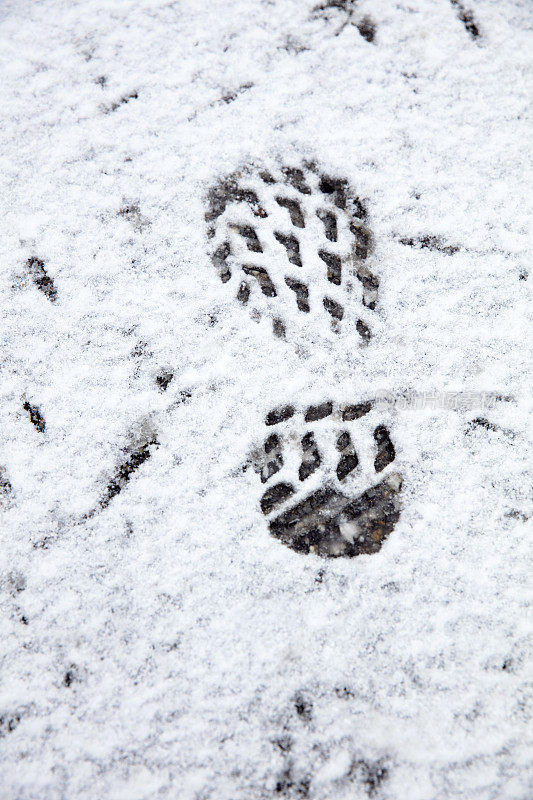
(331,487)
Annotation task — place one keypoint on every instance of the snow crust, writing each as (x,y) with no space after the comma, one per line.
(166,646)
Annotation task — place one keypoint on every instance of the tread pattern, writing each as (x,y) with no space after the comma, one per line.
(295,236)
(324,494)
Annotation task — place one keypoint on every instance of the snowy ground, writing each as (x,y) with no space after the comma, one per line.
(157,642)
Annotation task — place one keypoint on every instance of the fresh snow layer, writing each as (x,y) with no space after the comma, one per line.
(156,641)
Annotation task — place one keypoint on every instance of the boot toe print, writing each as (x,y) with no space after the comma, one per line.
(290,239)
(335,492)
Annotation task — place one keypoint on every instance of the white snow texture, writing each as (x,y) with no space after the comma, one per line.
(156,640)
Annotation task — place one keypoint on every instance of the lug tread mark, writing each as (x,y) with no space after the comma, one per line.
(275,495)
(302,294)
(294,209)
(262,277)
(291,245)
(333,308)
(334,265)
(329,221)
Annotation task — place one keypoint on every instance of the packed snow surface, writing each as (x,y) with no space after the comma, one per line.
(156,640)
